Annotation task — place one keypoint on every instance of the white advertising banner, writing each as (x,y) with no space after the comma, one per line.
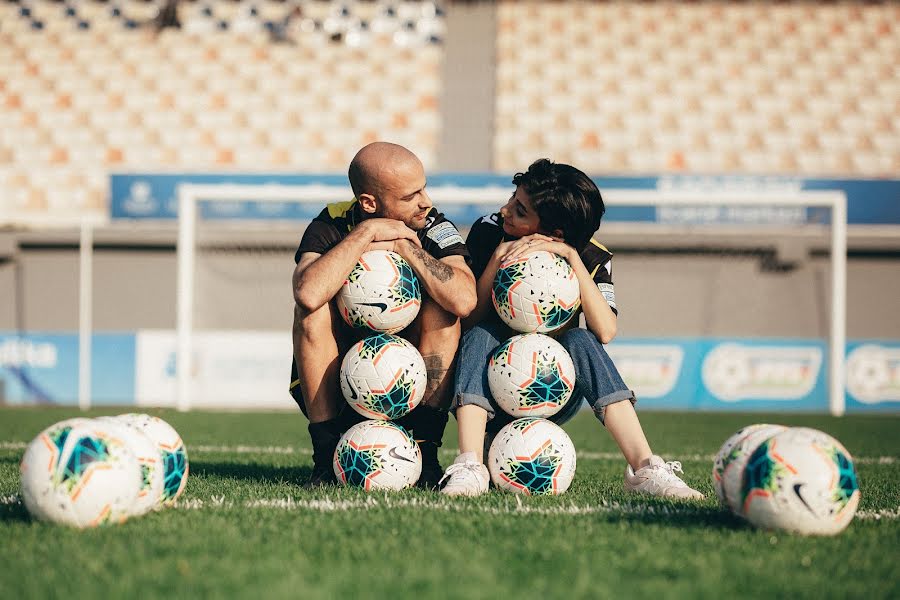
(873,373)
(734,372)
(232,369)
(651,370)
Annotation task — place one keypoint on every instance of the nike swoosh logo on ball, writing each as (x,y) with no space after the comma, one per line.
(353,394)
(394,454)
(797,487)
(380,305)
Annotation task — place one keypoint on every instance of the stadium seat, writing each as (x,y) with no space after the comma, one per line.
(826,49)
(701,77)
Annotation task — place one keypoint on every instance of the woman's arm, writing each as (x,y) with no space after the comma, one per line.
(598,316)
(483,286)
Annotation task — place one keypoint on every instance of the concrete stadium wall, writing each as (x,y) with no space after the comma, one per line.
(467,102)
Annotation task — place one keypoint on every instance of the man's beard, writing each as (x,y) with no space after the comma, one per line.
(416,225)
(411,222)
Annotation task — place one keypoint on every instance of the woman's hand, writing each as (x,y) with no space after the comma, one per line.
(537,241)
(502,250)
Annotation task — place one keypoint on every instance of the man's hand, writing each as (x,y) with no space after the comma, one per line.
(389,246)
(389,230)
(397,246)
(318,278)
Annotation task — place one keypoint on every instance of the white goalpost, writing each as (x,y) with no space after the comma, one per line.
(85,312)
(835,201)
(488,199)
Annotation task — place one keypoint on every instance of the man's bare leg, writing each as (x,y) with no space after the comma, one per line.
(439,333)
(318,362)
(436,335)
(317,354)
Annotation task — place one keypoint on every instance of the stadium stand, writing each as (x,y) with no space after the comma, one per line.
(619,87)
(92,87)
(757,87)
(708,87)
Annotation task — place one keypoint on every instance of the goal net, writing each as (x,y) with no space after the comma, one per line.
(235,305)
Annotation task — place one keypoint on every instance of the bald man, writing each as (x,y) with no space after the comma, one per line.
(390,211)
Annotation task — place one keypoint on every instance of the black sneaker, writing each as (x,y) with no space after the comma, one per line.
(325,437)
(431,468)
(321,477)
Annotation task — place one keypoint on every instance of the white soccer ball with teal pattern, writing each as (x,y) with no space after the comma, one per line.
(383,377)
(531,375)
(727,455)
(533,457)
(381,293)
(800,480)
(80,473)
(537,292)
(377,455)
(733,463)
(150,459)
(171,449)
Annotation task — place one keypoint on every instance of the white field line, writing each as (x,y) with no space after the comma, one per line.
(615,456)
(242,449)
(387,502)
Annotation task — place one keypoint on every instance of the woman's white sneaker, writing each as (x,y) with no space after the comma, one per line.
(659,479)
(466,477)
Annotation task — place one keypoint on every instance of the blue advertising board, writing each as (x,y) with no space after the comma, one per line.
(153,196)
(42,368)
(702,374)
(725,374)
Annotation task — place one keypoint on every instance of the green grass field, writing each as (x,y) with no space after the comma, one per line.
(245,529)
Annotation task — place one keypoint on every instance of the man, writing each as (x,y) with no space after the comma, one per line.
(390,211)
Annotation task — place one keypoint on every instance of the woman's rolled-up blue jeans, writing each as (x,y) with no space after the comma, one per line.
(597,380)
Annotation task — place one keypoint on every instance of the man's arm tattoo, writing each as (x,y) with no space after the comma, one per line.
(439,270)
(437,390)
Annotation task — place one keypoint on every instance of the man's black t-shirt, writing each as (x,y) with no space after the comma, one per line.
(487,233)
(439,237)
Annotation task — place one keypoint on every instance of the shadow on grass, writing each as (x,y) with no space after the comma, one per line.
(686,515)
(253,472)
(14,512)
(10,459)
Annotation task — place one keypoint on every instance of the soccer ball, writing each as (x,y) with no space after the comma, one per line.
(536,292)
(171,449)
(531,375)
(532,456)
(80,473)
(380,293)
(800,480)
(377,455)
(150,460)
(734,461)
(383,377)
(35,507)
(726,456)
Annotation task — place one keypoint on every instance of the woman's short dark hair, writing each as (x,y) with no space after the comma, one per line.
(564,198)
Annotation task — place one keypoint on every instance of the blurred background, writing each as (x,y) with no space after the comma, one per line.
(106,107)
